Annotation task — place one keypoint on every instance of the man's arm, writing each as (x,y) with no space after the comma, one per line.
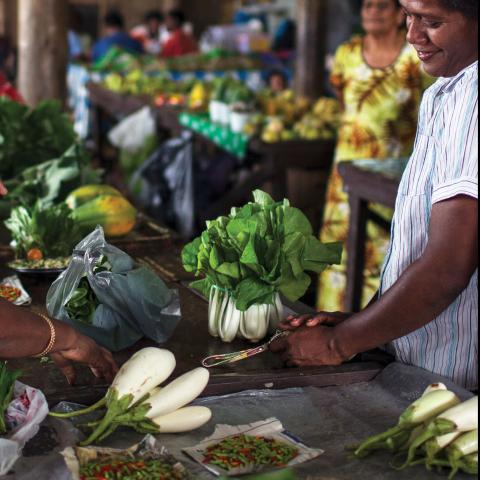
(421,293)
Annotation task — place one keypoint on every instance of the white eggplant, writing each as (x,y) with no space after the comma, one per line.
(437,444)
(464,445)
(145,370)
(434,387)
(428,406)
(183,420)
(461,417)
(179,393)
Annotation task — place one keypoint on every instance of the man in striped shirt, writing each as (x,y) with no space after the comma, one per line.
(426,312)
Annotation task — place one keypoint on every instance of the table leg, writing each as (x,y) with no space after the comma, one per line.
(357,234)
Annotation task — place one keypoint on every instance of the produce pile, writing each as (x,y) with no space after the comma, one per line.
(7,382)
(136,400)
(9,293)
(437,430)
(129,469)
(247,258)
(249,451)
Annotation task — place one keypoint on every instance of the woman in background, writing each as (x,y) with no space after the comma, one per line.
(379,82)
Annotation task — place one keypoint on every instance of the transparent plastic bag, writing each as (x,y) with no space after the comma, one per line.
(24,415)
(133,301)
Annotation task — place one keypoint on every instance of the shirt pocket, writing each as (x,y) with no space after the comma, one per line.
(417,178)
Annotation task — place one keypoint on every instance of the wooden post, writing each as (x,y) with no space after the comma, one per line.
(3,18)
(311,47)
(43,49)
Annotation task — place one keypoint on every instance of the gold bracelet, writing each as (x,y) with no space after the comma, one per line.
(53,337)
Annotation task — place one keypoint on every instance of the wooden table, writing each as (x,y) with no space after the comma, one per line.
(366,182)
(190,343)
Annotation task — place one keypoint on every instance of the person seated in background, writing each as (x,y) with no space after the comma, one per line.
(179,42)
(7,58)
(26,334)
(277,81)
(285,36)
(115,36)
(149,33)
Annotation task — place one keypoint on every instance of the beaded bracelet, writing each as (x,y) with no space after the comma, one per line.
(53,337)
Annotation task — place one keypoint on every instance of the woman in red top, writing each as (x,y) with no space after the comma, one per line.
(179,42)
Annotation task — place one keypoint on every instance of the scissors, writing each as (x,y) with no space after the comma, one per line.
(227,358)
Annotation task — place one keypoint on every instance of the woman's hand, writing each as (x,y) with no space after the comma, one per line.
(330,319)
(86,351)
(3,190)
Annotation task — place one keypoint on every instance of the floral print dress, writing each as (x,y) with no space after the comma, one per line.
(379,121)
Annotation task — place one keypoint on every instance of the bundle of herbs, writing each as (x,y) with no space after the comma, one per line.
(7,382)
(42,231)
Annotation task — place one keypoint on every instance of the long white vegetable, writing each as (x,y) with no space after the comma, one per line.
(179,393)
(145,370)
(437,444)
(428,406)
(183,420)
(462,417)
(463,445)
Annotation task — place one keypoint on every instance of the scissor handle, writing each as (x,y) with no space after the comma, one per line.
(217,360)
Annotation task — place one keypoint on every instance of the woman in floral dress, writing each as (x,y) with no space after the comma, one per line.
(379,82)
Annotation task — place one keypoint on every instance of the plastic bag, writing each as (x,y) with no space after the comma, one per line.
(24,415)
(133,301)
(133,131)
(167,186)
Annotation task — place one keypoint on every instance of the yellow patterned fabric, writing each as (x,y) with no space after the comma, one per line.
(379,121)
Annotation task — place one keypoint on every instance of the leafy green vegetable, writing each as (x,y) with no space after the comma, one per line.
(50,181)
(50,229)
(31,136)
(260,249)
(83,303)
(7,382)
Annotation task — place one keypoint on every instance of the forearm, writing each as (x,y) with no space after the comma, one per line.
(25,334)
(418,297)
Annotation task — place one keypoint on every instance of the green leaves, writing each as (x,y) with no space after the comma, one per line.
(31,136)
(84,302)
(50,229)
(260,249)
(7,382)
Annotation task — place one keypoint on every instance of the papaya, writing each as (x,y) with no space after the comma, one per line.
(86,193)
(114,213)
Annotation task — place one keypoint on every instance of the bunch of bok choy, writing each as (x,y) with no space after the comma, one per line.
(437,430)
(135,399)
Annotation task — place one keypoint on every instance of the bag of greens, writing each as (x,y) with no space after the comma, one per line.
(105,295)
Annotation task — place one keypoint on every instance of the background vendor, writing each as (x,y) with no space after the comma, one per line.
(427,308)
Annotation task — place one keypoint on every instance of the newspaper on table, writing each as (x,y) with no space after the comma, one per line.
(148,448)
(271,428)
(14,281)
(24,415)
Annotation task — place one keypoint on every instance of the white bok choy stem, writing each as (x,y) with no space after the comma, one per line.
(458,418)
(422,410)
(254,322)
(229,323)
(144,371)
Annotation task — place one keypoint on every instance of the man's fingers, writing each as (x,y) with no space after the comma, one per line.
(313,322)
(294,322)
(278,345)
(65,367)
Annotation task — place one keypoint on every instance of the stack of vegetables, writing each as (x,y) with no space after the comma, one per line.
(135,398)
(7,382)
(437,430)
(250,257)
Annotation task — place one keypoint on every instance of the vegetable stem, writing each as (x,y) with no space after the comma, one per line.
(101,403)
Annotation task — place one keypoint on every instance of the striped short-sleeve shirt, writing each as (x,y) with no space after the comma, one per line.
(444,164)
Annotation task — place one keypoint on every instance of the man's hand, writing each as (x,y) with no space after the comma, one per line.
(307,347)
(86,351)
(3,190)
(330,319)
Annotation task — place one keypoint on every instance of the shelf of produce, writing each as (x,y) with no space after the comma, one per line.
(190,344)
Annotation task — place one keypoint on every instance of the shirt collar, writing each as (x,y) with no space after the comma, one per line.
(449,83)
